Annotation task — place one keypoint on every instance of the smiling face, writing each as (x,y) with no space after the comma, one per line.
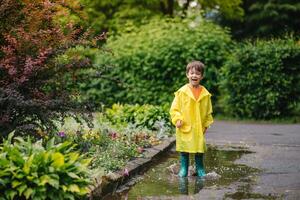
(194,77)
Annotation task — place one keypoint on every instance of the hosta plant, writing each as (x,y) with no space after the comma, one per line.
(31,171)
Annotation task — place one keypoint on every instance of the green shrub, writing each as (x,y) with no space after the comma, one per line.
(261,79)
(30,171)
(148,63)
(115,154)
(146,116)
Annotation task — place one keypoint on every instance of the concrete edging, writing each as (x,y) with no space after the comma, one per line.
(109,183)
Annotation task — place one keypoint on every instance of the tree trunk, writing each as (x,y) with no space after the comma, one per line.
(167,8)
(170,8)
(185,7)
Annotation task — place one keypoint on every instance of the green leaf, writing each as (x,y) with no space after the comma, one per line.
(10,136)
(28,193)
(64,188)
(73,156)
(83,191)
(27,164)
(54,182)
(45,156)
(74,188)
(16,183)
(15,155)
(69,196)
(64,146)
(58,160)
(73,175)
(21,189)
(50,144)
(43,180)
(3,160)
(3,183)
(11,194)
(30,178)
(19,176)
(86,162)
(4,172)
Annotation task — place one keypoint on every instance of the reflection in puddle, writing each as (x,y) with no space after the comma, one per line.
(184,185)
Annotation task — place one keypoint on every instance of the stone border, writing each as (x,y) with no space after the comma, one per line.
(109,183)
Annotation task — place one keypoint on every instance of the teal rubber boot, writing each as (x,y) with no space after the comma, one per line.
(199,158)
(184,164)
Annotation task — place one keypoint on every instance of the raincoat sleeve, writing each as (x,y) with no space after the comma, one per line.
(175,110)
(208,119)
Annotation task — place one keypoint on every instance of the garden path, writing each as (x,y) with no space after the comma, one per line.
(277,153)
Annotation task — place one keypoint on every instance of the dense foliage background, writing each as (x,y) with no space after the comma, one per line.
(111,16)
(148,63)
(265,19)
(261,79)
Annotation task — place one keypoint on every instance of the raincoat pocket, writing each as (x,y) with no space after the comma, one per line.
(185,132)
(185,128)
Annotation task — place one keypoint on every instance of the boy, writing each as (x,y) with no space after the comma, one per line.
(191,113)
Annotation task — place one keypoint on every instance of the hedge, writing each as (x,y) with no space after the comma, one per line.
(261,79)
(148,63)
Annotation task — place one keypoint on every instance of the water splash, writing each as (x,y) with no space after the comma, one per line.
(212,176)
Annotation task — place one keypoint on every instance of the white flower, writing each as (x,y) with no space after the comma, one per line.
(193,4)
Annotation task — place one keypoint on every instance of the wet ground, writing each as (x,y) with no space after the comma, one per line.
(159,182)
(277,154)
(272,171)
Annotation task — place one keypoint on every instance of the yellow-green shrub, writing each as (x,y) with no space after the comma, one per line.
(31,171)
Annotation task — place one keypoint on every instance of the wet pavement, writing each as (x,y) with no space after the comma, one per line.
(270,171)
(162,180)
(277,154)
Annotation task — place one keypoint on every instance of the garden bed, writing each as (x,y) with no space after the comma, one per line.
(81,160)
(110,182)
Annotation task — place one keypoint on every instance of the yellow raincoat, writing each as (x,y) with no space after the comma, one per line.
(196,116)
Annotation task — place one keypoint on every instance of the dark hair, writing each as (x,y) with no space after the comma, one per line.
(197,65)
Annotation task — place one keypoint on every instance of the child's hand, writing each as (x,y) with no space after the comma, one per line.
(179,123)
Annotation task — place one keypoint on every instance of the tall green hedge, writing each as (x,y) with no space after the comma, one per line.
(148,64)
(261,79)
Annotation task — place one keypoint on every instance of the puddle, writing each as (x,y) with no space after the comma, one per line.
(246,195)
(243,192)
(158,181)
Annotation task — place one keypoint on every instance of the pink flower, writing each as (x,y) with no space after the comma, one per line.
(114,135)
(140,149)
(126,172)
(61,134)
